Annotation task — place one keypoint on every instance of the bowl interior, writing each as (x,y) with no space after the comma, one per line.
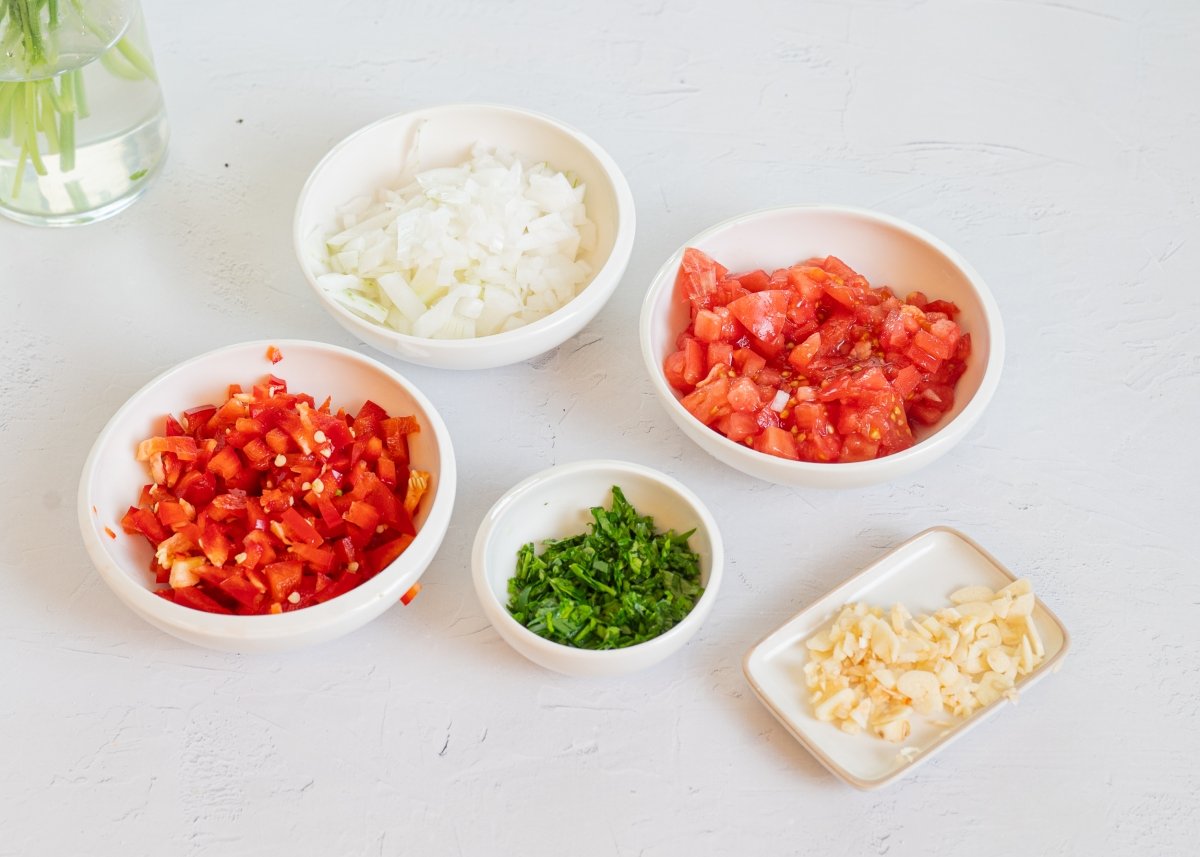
(390,152)
(115,477)
(557,504)
(882,250)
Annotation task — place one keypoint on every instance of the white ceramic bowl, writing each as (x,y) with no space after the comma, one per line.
(555,504)
(375,157)
(112,479)
(887,251)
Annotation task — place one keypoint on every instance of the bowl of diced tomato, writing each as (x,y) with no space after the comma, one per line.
(821,346)
(266,496)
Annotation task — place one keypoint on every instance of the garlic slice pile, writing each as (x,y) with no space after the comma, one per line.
(870,670)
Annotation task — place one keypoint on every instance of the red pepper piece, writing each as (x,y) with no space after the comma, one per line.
(191,596)
(296,526)
(282,578)
(381,557)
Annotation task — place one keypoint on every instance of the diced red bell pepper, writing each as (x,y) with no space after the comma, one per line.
(282,578)
(381,557)
(192,596)
(298,528)
(226,464)
(413,592)
(320,559)
(181,445)
(363,515)
(138,520)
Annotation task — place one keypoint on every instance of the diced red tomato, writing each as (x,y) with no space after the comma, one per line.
(764,313)
(743,395)
(693,366)
(698,277)
(754,281)
(709,402)
(777,441)
(707,325)
(860,365)
(275,503)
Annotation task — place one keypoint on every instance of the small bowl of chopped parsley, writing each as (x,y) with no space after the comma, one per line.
(598,567)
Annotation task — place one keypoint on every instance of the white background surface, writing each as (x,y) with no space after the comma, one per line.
(1054,144)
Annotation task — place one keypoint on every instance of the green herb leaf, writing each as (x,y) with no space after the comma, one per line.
(619,584)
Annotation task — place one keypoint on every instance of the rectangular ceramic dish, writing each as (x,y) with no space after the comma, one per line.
(921,574)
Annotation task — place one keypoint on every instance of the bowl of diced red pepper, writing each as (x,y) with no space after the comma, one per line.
(266,496)
(821,346)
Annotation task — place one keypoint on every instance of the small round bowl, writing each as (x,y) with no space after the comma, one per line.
(112,479)
(554,504)
(374,157)
(886,251)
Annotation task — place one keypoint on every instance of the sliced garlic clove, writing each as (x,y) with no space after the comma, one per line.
(1017,587)
(947,673)
(922,629)
(1001,605)
(980,610)
(819,642)
(884,642)
(997,660)
(923,688)
(971,593)
(861,713)
(828,709)
(1035,639)
(895,731)
(991,687)
(988,634)
(1025,659)
(1022,605)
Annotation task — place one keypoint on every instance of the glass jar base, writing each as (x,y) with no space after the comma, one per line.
(81,218)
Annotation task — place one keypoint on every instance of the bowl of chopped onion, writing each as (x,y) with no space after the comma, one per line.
(266,496)
(465,236)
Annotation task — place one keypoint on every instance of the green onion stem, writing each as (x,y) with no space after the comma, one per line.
(7,91)
(66,161)
(31,130)
(20,171)
(81,102)
(119,67)
(137,59)
(49,122)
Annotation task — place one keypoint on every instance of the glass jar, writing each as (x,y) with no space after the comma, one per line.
(82,124)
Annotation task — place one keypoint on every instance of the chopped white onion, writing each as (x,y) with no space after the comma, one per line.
(465,251)
(780,401)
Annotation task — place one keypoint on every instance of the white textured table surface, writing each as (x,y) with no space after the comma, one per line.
(1054,144)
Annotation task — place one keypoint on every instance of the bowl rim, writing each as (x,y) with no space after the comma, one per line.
(495,609)
(266,627)
(607,277)
(963,421)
